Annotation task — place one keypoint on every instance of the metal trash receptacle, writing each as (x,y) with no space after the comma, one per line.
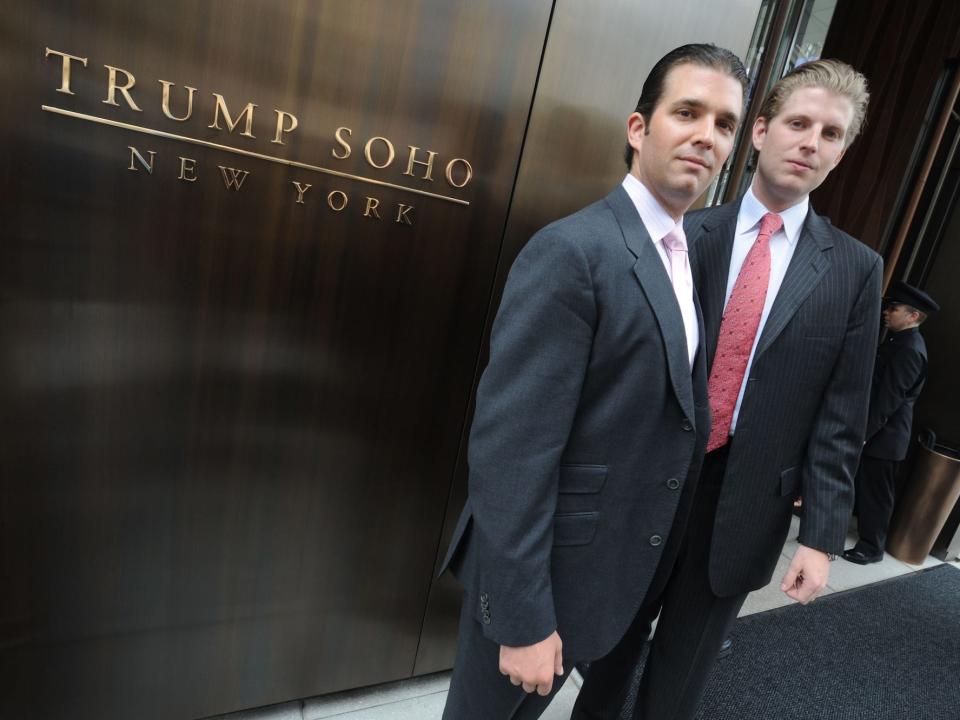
(927,502)
(947,546)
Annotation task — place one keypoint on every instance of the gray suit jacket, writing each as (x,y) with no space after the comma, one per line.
(588,425)
(801,423)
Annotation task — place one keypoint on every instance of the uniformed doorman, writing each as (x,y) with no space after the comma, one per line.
(898,378)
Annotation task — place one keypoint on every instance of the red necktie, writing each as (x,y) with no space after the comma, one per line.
(738,329)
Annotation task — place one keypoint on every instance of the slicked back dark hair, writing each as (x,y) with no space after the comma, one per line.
(702,54)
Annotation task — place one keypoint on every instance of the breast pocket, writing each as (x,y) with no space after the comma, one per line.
(824,331)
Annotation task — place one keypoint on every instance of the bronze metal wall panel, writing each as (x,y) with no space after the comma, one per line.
(596,58)
(228,420)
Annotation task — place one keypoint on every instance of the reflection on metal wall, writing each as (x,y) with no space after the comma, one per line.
(597,56)
(246,260)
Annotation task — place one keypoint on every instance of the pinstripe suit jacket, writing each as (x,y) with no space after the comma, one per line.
(801,424)
(589,428)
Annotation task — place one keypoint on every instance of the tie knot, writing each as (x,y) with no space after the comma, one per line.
(675,240)
(770,223)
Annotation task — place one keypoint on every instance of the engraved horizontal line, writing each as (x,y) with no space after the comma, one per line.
(247,153)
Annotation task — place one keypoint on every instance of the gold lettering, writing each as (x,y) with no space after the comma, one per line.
(232,181)
(166,101)
(343,200)
(135,155)
(467,176)
(390,152)
(402,211)
(65,71)
(124,89)
(372,205)
(411,161)
(231,124)
(281,128)
(343,143)
(187,165)
(301,189)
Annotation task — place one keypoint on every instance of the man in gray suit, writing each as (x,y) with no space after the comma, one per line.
(591,417)
(791,307)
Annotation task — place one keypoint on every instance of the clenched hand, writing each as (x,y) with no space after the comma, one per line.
(533,666)
(807,575)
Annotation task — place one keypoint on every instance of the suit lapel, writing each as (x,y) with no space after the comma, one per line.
(656,285)
(700,360)
(711,244)
(807,267)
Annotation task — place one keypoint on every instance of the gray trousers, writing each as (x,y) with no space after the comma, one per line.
(478,691)
(691,628)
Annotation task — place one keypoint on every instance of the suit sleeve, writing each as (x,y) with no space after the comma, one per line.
(526,401)
(837,438)
(900,376)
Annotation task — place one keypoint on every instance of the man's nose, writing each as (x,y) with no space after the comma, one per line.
(705,132)
(810,141)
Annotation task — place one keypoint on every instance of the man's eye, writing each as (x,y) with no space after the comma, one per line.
(684,113)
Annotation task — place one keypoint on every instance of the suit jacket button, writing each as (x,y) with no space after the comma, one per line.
(687,426)
(486,618)
(673,484)
(655,540)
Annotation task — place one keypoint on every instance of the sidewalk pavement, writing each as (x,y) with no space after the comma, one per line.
(422,698)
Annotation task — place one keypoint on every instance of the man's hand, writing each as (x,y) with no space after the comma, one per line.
(807,575)
(533,666)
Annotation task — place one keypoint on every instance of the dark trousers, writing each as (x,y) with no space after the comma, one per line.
(478,691)
(875,491)
(692,625)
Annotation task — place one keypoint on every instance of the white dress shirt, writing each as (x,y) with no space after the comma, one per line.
(658,223)
(782,244)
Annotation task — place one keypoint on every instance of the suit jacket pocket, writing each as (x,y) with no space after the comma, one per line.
(577,479)
(790,481)
(575,528)
(824,331)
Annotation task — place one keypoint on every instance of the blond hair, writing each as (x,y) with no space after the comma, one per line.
(833,75)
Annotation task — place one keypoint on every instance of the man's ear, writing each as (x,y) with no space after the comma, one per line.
(636,129)
(759,133)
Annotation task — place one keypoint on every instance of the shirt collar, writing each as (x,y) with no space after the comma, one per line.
(655,219)
(752,210)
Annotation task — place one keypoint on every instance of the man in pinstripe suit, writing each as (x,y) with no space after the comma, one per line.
(791,311)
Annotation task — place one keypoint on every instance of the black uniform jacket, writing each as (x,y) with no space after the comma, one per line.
(898,377)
